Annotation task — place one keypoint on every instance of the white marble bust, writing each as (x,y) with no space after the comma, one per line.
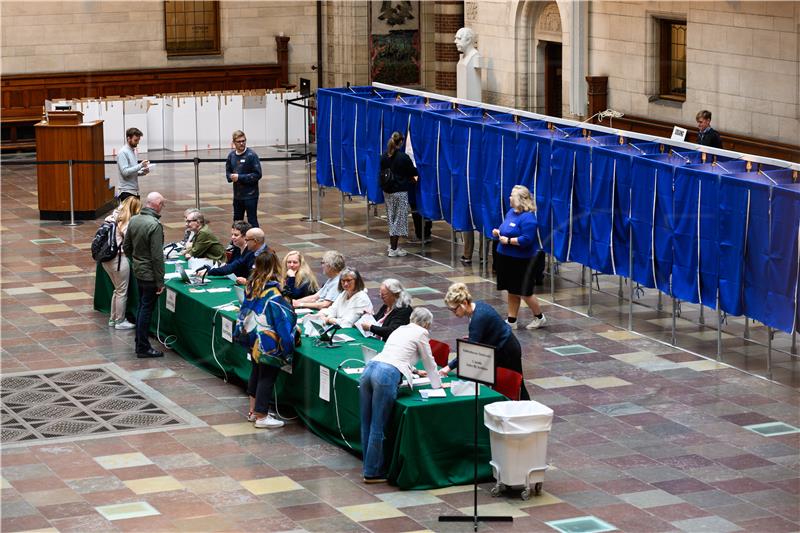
(468,70)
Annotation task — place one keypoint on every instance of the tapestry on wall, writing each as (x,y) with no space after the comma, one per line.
(395,42)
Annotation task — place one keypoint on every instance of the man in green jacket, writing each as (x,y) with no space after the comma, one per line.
(144,245)
(205,244)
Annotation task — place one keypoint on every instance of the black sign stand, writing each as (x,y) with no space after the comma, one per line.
(488,351)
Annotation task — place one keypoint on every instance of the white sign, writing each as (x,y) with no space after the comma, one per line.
(678,134)
(475,362)
(325,383)
(227,329)
(170,300)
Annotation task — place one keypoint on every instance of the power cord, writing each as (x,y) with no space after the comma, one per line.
(336,399)
(169,340)
(214,338)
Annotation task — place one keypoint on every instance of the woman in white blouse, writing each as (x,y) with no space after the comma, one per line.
(380,380)
(351,303)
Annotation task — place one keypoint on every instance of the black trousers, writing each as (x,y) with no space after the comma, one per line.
(261,384)
(147,302)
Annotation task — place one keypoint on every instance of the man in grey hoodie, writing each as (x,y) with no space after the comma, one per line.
(129,168)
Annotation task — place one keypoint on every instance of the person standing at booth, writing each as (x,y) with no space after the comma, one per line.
(485,327)
(144,244)
(706,135)
(515,260)
(243,169)
(129,168)
(398,175)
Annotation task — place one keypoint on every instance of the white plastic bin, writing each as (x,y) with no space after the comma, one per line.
(518,434)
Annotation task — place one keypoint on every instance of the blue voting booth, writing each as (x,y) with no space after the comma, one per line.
(708,230)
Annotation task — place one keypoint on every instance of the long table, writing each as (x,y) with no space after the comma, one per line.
(428,442)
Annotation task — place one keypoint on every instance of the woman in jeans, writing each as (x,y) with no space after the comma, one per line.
(118,269)
(405,175)
(381,379)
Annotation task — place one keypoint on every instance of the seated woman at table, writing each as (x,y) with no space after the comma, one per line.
(394,312)
(241,261)
(205,244)
(298,279)
(485,327)
(266,324)
(381,379)
(351,303)
(332,266)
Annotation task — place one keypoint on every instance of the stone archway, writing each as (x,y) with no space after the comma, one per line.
(539,37)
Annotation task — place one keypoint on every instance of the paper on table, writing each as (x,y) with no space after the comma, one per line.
(231,277)
(417,381)
(359,370)
(433,393)
(195,263)
(341,337)
(219,289)
(368,319)
(172,275)
(325,383)
(303,311)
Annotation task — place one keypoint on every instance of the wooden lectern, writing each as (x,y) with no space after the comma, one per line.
(61,137)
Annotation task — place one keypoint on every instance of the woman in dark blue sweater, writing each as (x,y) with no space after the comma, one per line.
(485,327)
(515,261)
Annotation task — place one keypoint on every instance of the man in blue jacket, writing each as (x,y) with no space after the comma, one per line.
(243,169)
(241,266)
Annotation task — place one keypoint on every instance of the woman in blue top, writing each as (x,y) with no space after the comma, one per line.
(485,327)
(515,261)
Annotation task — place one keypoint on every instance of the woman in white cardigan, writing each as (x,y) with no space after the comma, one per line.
(351,303)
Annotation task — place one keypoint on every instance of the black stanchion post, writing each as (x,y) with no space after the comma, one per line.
(197,182)
(72,221)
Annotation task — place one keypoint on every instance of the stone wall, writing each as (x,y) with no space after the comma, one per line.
(39,37)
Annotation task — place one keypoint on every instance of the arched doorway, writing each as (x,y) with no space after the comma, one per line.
(539,57)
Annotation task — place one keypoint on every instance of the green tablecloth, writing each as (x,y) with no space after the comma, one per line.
(429,444)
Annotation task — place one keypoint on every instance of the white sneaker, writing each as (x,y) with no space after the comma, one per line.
(513,324)
(537,323)
(124,325)
(400,252)
(269,422)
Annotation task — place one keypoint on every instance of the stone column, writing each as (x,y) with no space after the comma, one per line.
(346,43)
(448,18)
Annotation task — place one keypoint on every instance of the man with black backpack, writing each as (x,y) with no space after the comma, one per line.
(144,244)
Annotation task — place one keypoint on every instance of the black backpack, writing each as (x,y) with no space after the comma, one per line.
(389,181)
(104,244)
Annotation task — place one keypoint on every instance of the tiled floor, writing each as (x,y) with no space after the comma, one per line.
(646,437)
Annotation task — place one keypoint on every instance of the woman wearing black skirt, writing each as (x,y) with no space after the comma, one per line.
(515,261)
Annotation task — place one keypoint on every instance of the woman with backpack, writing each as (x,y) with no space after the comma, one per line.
(398,174)
(266,326)
(118,268)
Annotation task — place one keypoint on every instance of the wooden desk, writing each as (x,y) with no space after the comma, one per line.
(92,192)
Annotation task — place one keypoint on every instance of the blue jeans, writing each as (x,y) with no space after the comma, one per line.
(249,206)
(377,393)
(147,302)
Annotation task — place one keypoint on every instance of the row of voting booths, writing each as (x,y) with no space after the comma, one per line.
(194,121)
(718,231)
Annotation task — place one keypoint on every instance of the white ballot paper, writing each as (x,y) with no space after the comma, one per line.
(227,329)
(170,300)
(368,319)
(172,275)
(432,393)
(324,383)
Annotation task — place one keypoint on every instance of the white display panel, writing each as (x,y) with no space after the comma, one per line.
(112,113)
(254,115)
(230,118)
(208,135)
(155,122)
(135,115)
(180,123)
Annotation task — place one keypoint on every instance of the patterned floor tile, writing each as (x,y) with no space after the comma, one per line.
(153,484)
(270,485)
(239,428)
(370,511)
(125,511)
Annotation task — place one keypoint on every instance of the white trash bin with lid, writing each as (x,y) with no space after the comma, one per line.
(518,434)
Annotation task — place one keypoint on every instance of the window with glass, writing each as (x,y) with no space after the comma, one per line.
(672,59)
(191,28)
